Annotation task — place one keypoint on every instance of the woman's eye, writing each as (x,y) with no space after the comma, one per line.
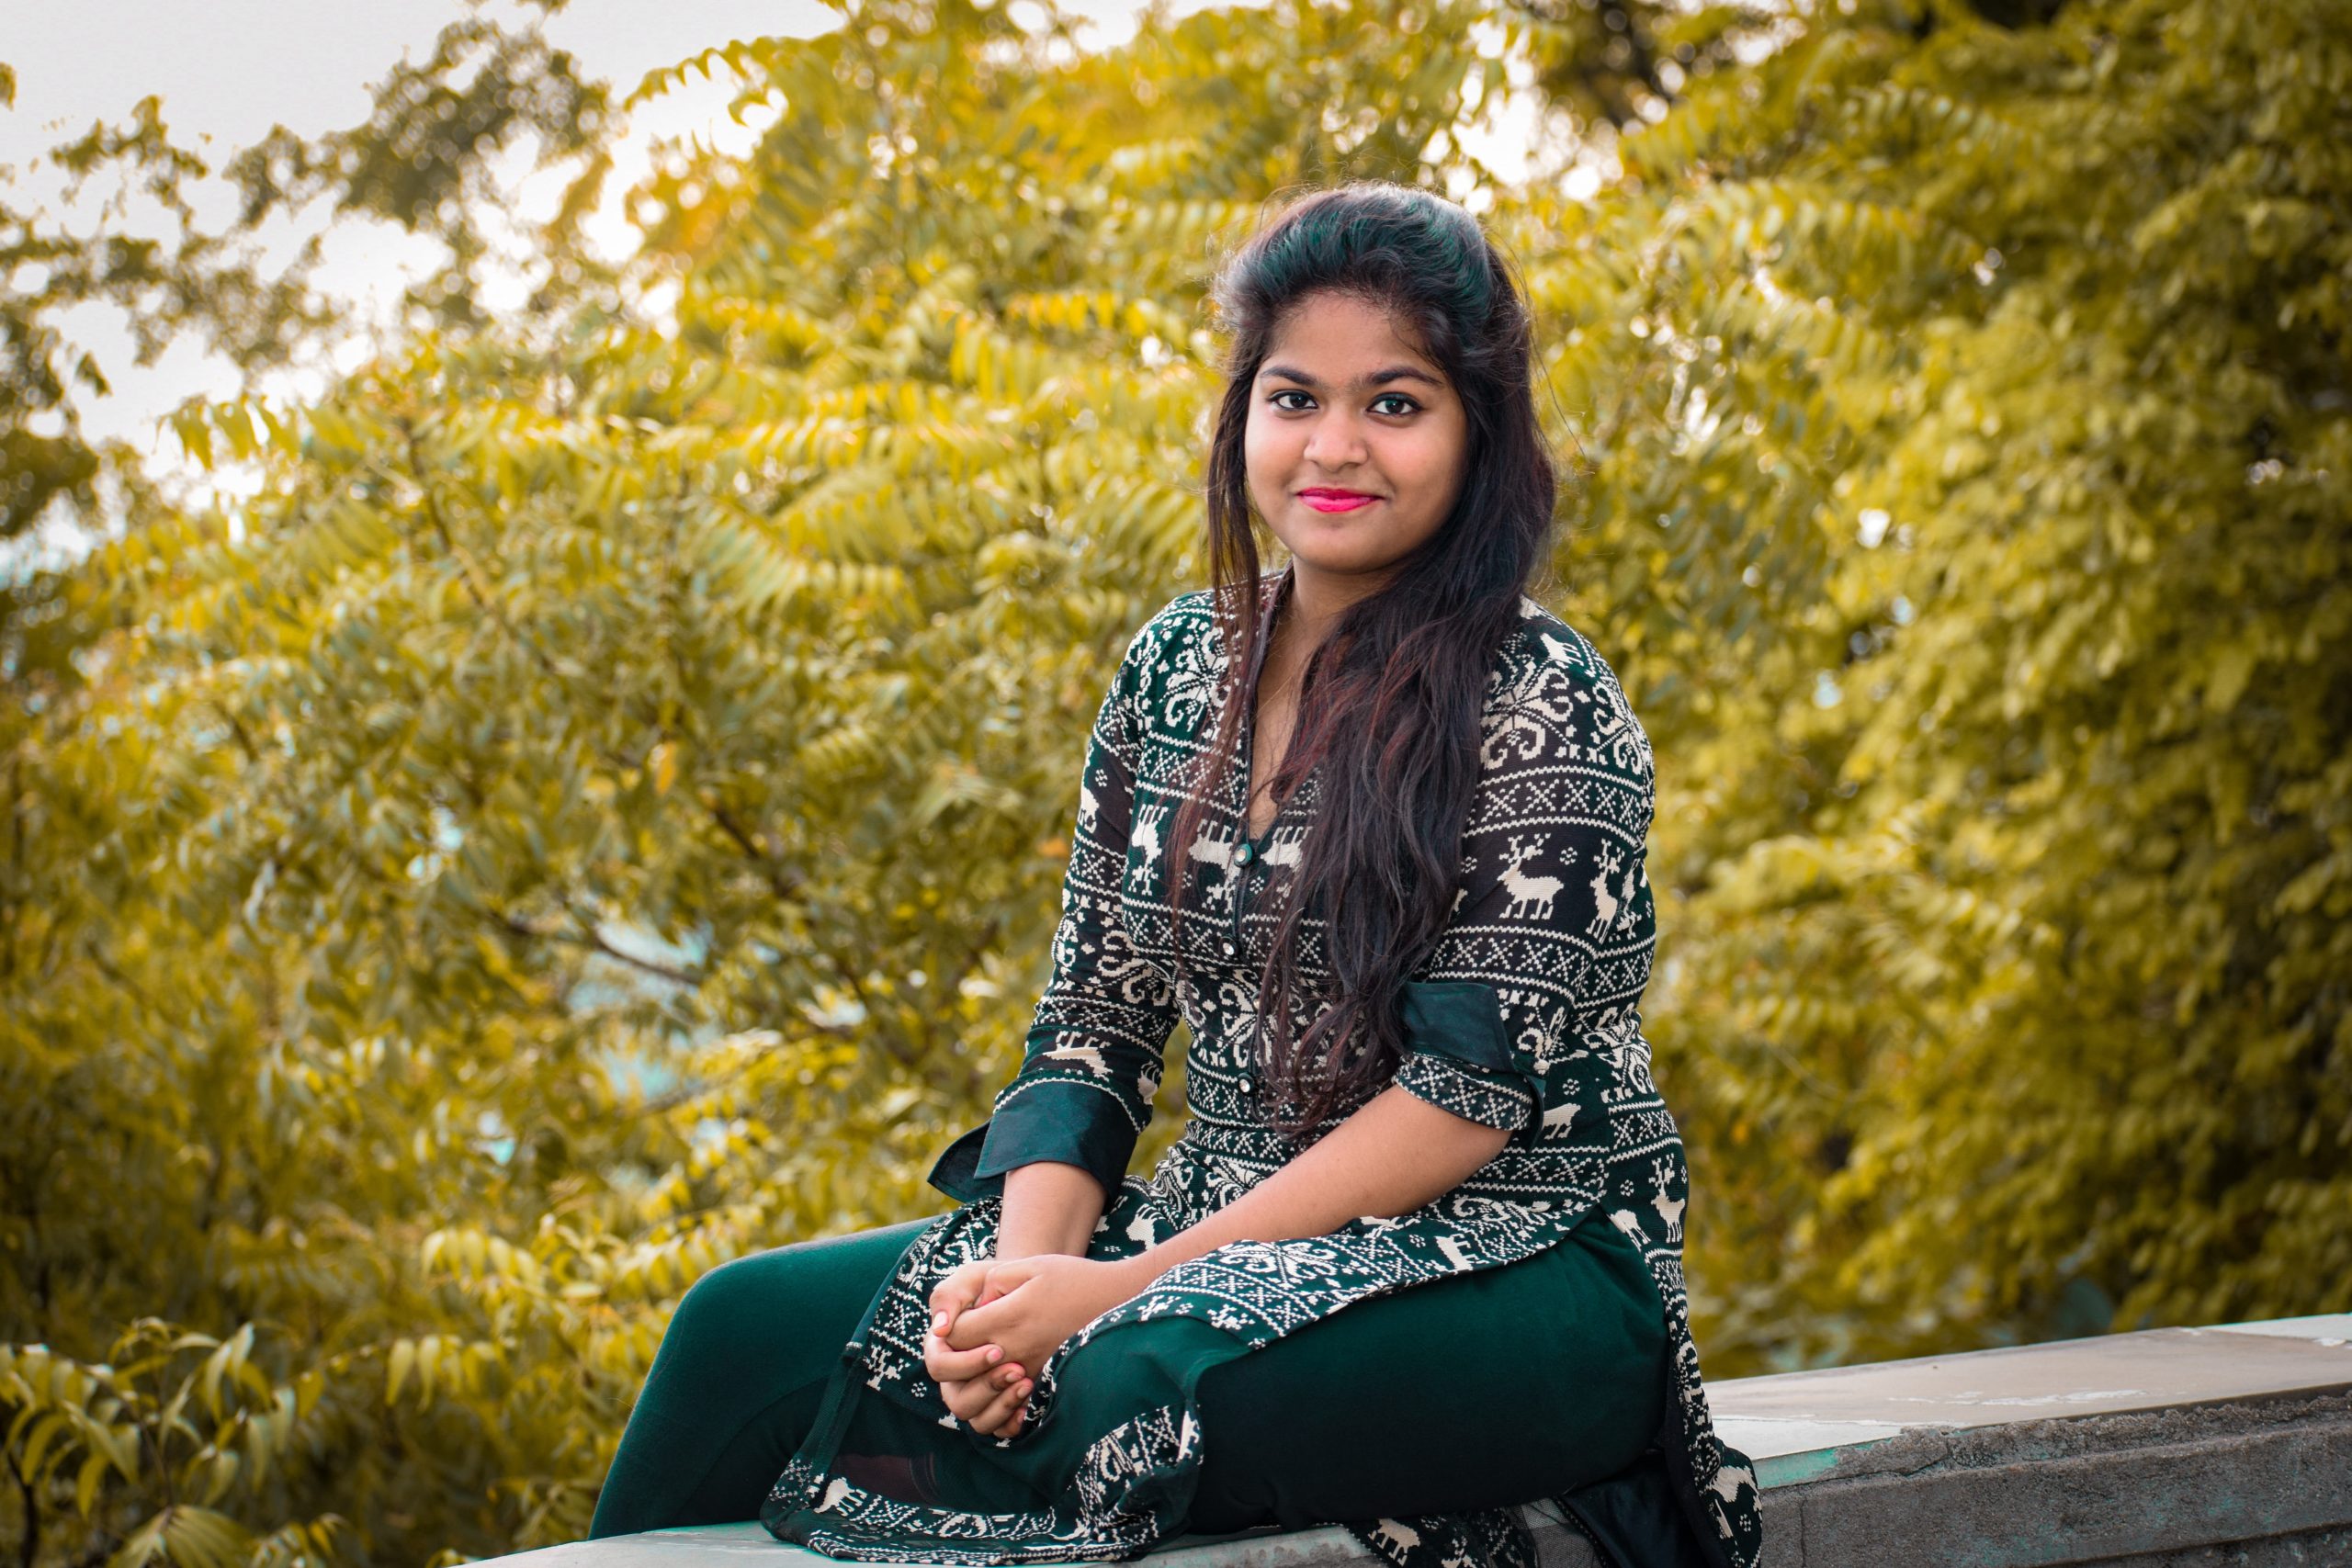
(1406,404)
(1276,399)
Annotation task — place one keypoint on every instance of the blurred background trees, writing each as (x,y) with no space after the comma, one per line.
(597,810)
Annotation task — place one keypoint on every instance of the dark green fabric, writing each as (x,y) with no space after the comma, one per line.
(957,1171)
(1458,1054)
(1460,1019)
(1478,1391)
(1058,1121)
(1636,1520)
(738,1380)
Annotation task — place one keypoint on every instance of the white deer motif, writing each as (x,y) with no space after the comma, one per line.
(1147,834)
(1087,805)
(1213,847)
(1287,847)
(1604,913)
(1668,1208)
(1531,897)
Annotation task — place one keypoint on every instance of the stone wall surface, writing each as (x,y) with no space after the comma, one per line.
(2188,1447)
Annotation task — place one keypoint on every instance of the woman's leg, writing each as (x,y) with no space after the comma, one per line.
(1476,1391)
(739,1378)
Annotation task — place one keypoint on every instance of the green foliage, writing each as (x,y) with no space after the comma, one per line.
(1973,496)
(183,1417)
(597,811)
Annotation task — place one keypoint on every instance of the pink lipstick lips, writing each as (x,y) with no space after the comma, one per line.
(1325,499)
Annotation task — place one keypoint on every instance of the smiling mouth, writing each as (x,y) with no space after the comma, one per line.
(1336,500)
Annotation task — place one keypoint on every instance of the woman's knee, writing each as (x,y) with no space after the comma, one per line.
(776,1317)
(736,1292)
(815,1285)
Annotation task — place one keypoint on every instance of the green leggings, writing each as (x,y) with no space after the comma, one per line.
(1477,1391)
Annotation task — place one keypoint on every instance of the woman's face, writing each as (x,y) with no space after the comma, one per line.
(1355,446)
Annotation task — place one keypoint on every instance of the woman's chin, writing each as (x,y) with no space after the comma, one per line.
(1342,557)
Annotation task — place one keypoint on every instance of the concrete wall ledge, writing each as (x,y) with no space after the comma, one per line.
(2182,1448)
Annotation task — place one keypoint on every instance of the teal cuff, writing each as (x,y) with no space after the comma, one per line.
(953,1172)
(1458,1054)
(1052,1119)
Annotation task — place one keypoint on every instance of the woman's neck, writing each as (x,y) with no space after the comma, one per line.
(1317,599)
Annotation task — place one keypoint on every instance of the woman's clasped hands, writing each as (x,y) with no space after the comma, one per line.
(994,1324)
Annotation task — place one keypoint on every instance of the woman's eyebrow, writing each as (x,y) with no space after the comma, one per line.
(1376,379)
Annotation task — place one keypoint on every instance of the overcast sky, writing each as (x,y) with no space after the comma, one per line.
(229,70)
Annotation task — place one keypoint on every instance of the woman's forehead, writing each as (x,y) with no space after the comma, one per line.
(1346,340)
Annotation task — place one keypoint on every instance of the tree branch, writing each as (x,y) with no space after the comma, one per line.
(593,939)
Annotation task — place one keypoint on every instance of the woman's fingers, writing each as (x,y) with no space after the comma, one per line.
(984,1325)
(948,1364)
(1001,1417)
(995,1282)
(968,1397)
(957,1289)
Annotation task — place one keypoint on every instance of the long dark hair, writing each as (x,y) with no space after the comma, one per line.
(1389,702)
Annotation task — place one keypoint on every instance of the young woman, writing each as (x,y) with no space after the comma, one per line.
(1373,825)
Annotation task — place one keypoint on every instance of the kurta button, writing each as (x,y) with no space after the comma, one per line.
(1228,949)
(1241,856)
(1248,1086)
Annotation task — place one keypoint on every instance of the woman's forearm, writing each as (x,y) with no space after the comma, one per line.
(1395,1154)
(1049,1207)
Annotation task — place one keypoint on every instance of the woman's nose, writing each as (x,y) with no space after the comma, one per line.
(1335,443)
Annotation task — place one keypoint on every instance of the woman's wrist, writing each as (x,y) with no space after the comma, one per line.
(1139,1274)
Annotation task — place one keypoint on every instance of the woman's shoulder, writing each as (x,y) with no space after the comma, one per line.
(1182,632)
(1167,674)
(1547,648)
(1186,617)
(1550,681)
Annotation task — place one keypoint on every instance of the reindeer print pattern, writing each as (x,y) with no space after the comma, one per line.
(1604,902)
(1531,897)
(1536,980)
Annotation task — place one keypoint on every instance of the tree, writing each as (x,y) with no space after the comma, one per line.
(1977,513)
(597,810)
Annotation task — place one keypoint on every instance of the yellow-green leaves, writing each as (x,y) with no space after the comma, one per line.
(2036,1041)
(580,819)
(593,811)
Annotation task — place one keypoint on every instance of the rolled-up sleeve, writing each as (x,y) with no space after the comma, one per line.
(1458,1054)
(1552,935)
(1095,1052)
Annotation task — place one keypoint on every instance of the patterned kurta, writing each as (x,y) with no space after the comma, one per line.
(1524,1016)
